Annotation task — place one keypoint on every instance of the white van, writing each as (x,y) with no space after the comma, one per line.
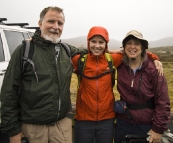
(10,38)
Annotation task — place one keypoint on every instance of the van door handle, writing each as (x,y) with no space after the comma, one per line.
(2,72)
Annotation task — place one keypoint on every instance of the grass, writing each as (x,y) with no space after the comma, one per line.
(168,72)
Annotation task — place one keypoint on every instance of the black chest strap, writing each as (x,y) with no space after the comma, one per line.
(149,104)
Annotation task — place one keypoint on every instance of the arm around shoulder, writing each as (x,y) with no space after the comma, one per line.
(76,51)
(117,59)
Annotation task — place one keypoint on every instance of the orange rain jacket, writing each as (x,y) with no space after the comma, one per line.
(95,97)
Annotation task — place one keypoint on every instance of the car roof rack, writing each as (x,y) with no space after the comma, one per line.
(2,19)
(36,28)
(22,25)
(17,24)
(12,24)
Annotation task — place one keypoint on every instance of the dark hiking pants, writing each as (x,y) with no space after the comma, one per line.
(4,138)
(123,128)
(94,131)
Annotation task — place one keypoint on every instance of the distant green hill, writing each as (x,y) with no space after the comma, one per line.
(164,53)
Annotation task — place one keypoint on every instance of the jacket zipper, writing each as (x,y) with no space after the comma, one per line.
(132,77)
(97,85)
(139,83)
(57,51)
(132,82)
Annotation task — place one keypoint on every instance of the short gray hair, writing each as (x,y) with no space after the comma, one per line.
(55,8)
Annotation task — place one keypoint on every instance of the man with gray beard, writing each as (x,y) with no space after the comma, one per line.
(37,108)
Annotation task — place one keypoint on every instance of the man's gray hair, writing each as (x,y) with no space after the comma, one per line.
(55,8)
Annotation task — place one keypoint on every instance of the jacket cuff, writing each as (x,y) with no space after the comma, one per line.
(157,129)
(14,132)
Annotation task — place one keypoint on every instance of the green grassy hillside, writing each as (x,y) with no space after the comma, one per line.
(168,71)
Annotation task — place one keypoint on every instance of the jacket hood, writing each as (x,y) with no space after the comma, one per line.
(98,30)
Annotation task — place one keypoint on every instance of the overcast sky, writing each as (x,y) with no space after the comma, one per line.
(154,18)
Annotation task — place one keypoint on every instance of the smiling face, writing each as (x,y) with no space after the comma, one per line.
(52,26)
(133,48)
(97,45)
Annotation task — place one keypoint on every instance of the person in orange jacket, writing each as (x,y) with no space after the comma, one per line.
(94,119)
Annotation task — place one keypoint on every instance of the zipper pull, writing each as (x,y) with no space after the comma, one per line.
(132,82)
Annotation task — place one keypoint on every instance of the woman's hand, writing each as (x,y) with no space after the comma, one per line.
(159,66)
(154,137)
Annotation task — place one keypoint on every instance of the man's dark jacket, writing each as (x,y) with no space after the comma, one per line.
(39,102)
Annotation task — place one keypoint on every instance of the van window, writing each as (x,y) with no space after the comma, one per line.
(2,58)
(14,39)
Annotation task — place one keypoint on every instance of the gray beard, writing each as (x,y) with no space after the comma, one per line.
(53,39)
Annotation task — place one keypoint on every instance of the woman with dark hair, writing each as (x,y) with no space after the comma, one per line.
(143,93)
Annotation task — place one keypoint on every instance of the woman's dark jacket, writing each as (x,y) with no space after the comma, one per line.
(141,87)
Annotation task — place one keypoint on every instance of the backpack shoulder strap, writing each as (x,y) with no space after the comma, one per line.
(27,53)
(81,65)
(27,56)
(67,49)
(111,67)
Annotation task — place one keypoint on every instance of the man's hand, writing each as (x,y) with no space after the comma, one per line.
(159,66)
(154,137)
(17,138)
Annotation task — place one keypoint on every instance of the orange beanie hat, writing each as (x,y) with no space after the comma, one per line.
(98,30)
